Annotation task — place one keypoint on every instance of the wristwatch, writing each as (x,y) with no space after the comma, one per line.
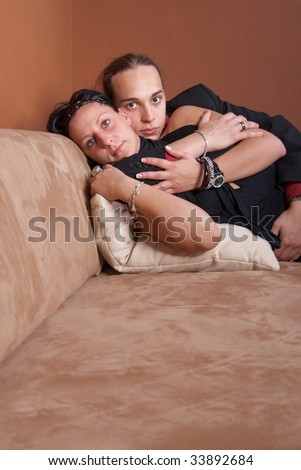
(218,178)
(213,175)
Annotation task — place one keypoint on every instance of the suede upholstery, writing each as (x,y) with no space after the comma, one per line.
(43,196)
(96,359)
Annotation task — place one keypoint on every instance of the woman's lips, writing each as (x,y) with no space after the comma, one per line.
(118,150)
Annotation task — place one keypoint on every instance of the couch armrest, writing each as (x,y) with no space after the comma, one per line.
(47,243)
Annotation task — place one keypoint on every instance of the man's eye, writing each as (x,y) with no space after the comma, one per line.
(157,99)
(90,142)
(105,123)
(131,105)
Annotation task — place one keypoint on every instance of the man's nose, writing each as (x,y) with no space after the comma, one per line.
(148,114)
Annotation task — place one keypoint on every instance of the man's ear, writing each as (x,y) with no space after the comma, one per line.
(126,117)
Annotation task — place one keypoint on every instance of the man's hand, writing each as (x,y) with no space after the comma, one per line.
(182,174)
(288,228)
(226,130)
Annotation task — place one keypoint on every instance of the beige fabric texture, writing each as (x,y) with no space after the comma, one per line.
(161,361)
(115,238)
(170,360)
(45,229)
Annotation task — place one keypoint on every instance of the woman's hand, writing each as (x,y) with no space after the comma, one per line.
(112,184)
(165,217)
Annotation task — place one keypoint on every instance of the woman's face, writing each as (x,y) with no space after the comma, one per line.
(139,94)
(103,134)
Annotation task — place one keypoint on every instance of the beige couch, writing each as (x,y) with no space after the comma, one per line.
(204,354)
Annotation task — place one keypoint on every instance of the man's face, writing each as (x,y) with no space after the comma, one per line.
(139,94)
(103,134)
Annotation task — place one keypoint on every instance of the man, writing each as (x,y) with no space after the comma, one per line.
(134,83)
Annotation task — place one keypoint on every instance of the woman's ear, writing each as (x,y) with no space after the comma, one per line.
(126,117)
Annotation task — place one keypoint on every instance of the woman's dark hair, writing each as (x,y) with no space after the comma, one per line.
(121,64)
(58,121)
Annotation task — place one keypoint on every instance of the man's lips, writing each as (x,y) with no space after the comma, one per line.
(152,131)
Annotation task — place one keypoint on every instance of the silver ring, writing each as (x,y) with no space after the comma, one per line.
(95,170)
(243,126)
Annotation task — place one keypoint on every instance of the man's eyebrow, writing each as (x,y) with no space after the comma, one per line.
(128,99)
(137,99)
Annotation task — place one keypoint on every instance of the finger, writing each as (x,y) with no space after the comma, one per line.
(251,125)
(249,133)
(152,175)
(276,229)
(175,152)
(164,186)
(228,117)
(205,117)
(158,162)
(286,254)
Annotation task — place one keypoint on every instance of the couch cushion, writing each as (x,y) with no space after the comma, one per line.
(238,250)
(47,248)
(162,361)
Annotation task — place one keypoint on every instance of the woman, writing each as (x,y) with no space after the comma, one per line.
(134,83)
(105,136)
(86,119)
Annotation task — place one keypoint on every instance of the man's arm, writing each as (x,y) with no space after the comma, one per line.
(248,157)
(289,168)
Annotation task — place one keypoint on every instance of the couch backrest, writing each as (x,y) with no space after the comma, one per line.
(46,239)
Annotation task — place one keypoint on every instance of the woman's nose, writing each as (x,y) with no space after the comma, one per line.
(104,139)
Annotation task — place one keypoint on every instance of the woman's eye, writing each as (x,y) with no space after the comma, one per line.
(90,142)
(131,105)
(105,123)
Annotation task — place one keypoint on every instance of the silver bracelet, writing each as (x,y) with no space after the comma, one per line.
(131,201)
(205,141)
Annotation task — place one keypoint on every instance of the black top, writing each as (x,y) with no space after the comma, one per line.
(256,205)
(289,167)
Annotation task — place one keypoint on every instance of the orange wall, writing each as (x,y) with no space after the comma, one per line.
(36,60)
(246,51)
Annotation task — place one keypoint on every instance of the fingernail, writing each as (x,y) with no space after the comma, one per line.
(168,147)
(143,160)
(138,175)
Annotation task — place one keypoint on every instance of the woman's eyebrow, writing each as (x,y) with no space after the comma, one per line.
(101,114)
(96,122)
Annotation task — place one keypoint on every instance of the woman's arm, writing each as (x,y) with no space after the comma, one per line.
(165,217)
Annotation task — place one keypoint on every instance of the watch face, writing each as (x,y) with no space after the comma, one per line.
(218,181)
